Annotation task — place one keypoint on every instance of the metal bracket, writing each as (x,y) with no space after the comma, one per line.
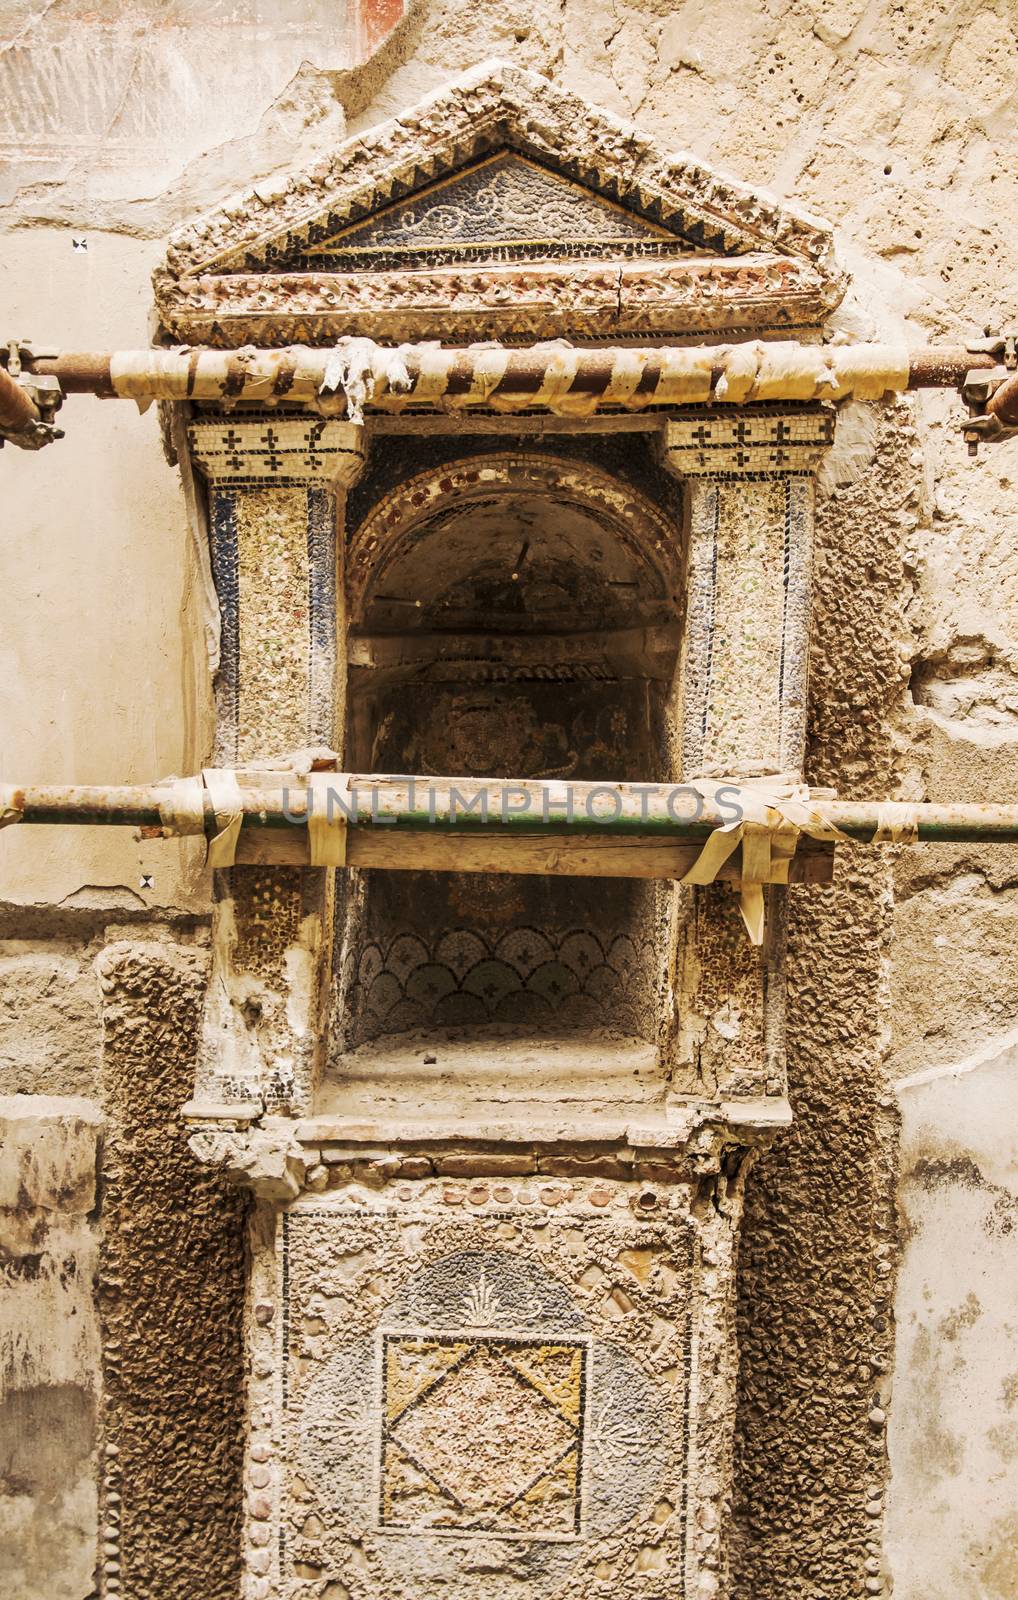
(44,392)
(979,386)
(33,436)
(1002,345)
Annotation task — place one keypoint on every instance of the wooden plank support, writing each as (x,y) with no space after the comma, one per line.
(493,851)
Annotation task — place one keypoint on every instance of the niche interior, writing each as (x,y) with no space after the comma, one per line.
(510,614)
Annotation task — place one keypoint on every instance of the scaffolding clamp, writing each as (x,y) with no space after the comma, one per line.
(28,400)
(991,394)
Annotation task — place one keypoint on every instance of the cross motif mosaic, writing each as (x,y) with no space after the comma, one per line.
(482,1434)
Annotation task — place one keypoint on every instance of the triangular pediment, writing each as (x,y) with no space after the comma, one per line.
(499,168)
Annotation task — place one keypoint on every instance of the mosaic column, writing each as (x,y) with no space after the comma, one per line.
(277,490)
(750,485)
(751,490)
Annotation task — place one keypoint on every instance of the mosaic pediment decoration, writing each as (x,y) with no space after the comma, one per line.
(505,207)
(501,207)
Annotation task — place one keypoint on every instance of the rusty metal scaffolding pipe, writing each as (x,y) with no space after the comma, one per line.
(17,408)
(378,802)
(551,376)
(1003,403)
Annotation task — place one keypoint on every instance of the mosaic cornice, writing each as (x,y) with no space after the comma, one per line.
(274,449)
(598,298)
(759,440)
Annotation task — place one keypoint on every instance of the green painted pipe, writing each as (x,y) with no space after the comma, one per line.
(555,809)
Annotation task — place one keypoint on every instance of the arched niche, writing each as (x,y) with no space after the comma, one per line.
(510,614)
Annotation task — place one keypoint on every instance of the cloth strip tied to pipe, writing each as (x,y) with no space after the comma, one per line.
(428,373)
(896,824)
(327,821)
(768,830)
(183,812)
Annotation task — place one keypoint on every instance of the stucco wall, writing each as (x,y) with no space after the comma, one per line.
(49,1345)
(898,123)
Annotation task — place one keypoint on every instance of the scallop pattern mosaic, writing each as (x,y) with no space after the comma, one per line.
(525,977)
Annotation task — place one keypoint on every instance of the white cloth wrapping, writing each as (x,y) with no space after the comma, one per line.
(768,831)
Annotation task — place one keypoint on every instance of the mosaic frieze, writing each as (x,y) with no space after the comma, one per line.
(583,730)
(600,297)
(505,202)
(518,1391)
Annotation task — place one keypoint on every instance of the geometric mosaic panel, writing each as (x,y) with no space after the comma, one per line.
(482,1434)
(481,1391)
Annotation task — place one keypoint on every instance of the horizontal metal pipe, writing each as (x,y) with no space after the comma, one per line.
(946,366)
(672,812)
(553,377)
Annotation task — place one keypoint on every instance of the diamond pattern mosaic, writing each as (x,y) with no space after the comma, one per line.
(482,1434)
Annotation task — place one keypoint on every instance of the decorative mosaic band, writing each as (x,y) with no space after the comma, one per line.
(748,613)
(277,449)
(711,444)
(607,298)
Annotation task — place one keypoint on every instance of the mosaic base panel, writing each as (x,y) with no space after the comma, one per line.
(485,1388)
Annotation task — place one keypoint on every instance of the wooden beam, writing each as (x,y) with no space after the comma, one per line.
(489,851)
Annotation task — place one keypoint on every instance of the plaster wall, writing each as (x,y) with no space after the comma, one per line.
(49,1345)
(896,121)
(956,1331)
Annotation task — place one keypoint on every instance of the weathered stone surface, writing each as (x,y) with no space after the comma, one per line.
(49,1019)
(99,106)
(49,1346)
(958,1201)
